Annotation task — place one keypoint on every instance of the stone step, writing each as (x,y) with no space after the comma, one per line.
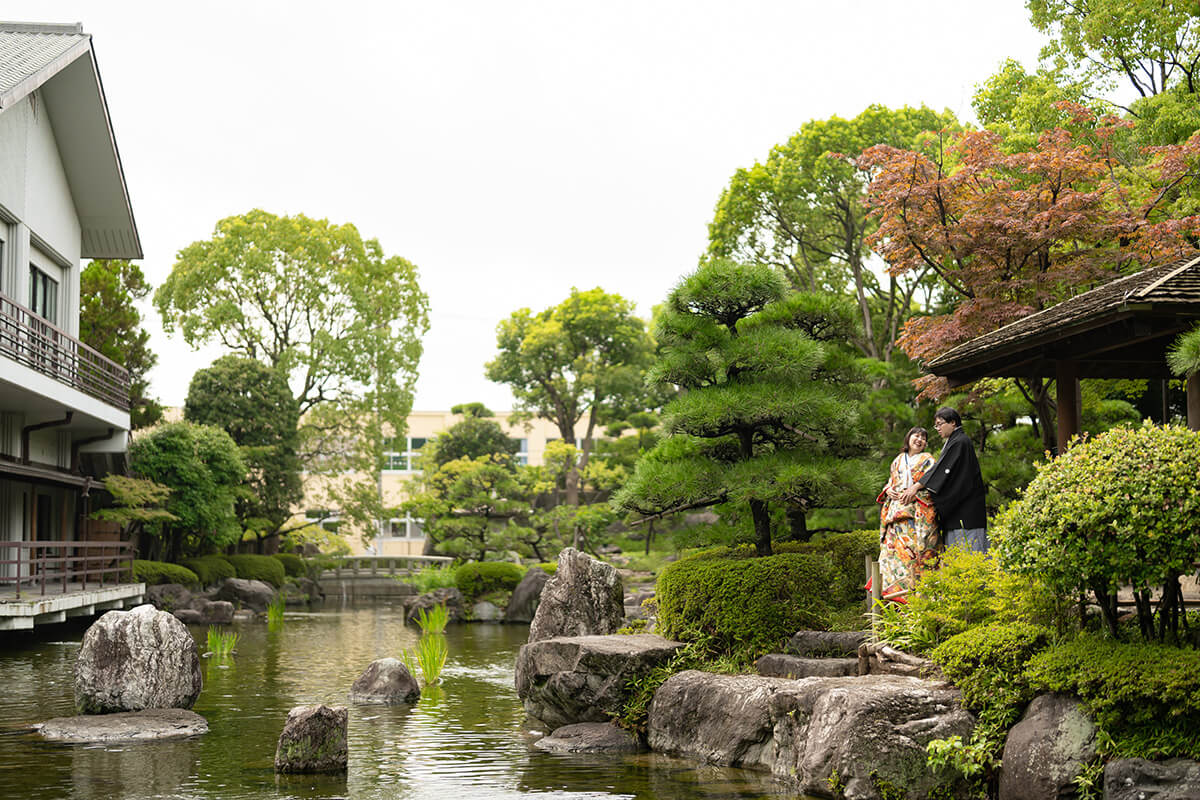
(782,665)
(838,644)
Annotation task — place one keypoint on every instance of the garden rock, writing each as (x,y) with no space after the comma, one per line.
(866,733)
(169,596)
(1138,779)
(312,589)
(133,660)
(189,616)
(839,644)
(386,681)
(293,595)
(1047,749)
(244,615)
(313,740)
(255,595)
(126,726)
(525,597)
(720,719)
(781,665)
(582,598)
(590,737)
(450,597)
(216,612)
(484,611)
(583,678)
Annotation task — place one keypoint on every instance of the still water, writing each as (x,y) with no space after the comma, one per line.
(465,739)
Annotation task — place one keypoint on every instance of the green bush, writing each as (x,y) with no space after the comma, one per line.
(293,565)
(747,606)
(211,569)
(987,663)
(430,578)
(1145,697)
(549,567)
(155,572)
(477,578)
(259,568)
(847,553)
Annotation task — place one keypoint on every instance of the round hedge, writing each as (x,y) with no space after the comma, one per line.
(293,565)
(156,572)
(259,568)
(747,606)
(476,578)
(210,569)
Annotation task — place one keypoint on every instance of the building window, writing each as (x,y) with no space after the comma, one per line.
(43,295)
(522,456)
(396,459)
(406,527)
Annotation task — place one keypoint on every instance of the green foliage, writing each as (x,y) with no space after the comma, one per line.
(1145,697)
(847,553)
(259,568)
(430,578)
(773,405)
(1184,355)
(472,507)
(110,323)
(221,643)
(293,565)
(476,578)
(434,620)
(210,569)
(744,606)
(136,503)
(203,469)
(429,659)
(474,436)
(548,567)
(275,611)
(1118,509)
(156,572)
(700,654)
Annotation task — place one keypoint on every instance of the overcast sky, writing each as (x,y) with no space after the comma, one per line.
(511,150)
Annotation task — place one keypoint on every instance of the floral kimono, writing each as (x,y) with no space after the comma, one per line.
(909,540)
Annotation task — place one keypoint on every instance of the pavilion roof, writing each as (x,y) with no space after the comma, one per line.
(1119,329)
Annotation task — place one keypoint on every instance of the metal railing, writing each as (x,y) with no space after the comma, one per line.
(31,340)
(39,564)
(370,566)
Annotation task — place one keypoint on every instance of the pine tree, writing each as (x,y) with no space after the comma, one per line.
(772,401)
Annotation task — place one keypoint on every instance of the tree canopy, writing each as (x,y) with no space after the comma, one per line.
(472,437)
(110,323)
(773,402)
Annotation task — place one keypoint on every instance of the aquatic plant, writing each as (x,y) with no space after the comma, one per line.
(431,657)
(275,612)
(221,643)
(434,620)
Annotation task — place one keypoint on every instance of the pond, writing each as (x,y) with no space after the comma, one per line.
(466,739)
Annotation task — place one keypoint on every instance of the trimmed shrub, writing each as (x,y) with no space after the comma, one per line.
(477,578)
(548,567)
(155,572)
(1145,697)
(987,663)
(747,606)
(430,578)
(211,569)
(847,553)
(293,565)
(259,568)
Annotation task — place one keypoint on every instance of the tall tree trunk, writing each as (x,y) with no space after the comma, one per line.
(762,527)
(797,524)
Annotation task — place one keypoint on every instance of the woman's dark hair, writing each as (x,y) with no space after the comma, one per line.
(909,436)
(950,415)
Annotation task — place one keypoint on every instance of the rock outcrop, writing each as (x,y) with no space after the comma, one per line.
(1044,752)
(127,726)
(450,597)
(313,740)
(1138,779)
(781,665)
(134,660)
(483,611)
(169,596)
(837,644)
(590,737)
(524,601)
(583,678)
(255,595)
(215,612)
(386,681)
(584,597)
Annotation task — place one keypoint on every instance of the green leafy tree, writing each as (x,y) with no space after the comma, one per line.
(580,359)
(473,436)
(802,210)
(204,471)
(110,323)
(772,411)
(254,405)
(137,504)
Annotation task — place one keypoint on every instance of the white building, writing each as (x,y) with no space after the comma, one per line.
(64,408)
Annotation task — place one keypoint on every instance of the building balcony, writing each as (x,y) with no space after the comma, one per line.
(31,341)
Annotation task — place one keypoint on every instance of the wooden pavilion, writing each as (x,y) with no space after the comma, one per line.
(1119,330)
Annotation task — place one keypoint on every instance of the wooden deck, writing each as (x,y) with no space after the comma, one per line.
(59,603)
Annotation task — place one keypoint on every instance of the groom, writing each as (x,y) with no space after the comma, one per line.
(956,485)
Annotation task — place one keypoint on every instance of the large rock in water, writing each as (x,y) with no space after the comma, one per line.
(590,737)
(1047,749)
(449,597)
(133,660)
(584,597)
(386,681)
(524,601)
(1138,779)
(867,735)
(313,740)
(243,593)
(583,678)
(127,726)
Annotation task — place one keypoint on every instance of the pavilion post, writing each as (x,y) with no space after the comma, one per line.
(1067,397)
(1193,401)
